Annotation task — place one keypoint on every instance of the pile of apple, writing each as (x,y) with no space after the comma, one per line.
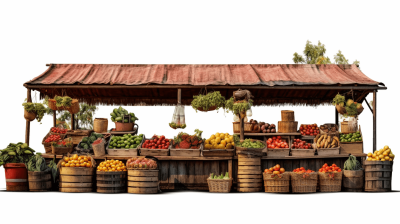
(309,129)
(299,144)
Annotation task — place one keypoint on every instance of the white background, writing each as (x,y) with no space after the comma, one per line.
(33,33)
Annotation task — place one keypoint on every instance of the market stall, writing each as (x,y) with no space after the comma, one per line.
(309,85)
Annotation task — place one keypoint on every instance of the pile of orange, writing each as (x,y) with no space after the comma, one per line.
(111,166)
(77,161)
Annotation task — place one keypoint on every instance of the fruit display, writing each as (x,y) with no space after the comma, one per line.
(326,141)
(347,108)
(249,143)
(63,143)
(156,142)
(330,130)
(141,163)
(299,144)
(302,170)
(329,169)
(309,129)
(277,142)
(384,154)
(186,141)
(220,177)
(77,161)
(277,169)
(53,138)
(219,141)
(111,166)
(127,141)
(86,142)
(351,137)
(118,115)
(58,130)
(262,127)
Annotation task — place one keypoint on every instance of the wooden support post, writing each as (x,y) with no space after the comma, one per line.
(374,121)
(230,168)
(179,95)
(336,117)
(241,127)
(28,123)
(54,118)
(72,121)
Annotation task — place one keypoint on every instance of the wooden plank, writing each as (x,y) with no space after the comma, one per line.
(374,121)
(142,184)
(254,163)
(230,170)
(304,163)
(249,176)
(173,174)
(191,172)
(143,173)
(254,180)
(76,189)
(199,174)
(206,170)
(245,189)
(138,190)
(75,185)
(182,172)
(249,168)
(215,168)
(164,171)
(249,171)
(240,185)
(272,134)
(143,179)
(312,165)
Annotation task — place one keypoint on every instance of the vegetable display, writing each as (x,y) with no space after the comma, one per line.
(58,130)
(37,163)
(352,164)
(141,163)
(299,144)
(52,138)
(186,141)
(301,170)
(157,142)
(127,141)
(87,142)
(347,108)
(338,100)
(311,130)
(262,127)
(351,137)
(118,115)
(250,143)
(16,153)
(384,154)
(63,143)
(219,141)
(61,101)
(325,141)
(111,166)
(277,169)
(277,143)
(204,102)
(329,169)
(220,177)
(77,161)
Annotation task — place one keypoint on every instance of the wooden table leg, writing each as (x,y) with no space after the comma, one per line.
(230,168)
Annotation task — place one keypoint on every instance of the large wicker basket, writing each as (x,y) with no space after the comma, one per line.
(47,145)
(304,183)
(219,186)
(277,183)
(30,116)
(330,182)
(74,108)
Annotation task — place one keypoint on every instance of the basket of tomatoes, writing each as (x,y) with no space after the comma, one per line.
(304,181)
(276,180)
(330,178)
(49,138)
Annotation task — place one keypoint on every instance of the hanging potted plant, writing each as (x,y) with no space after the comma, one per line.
(64,103)
(209,102)
(347,108)
(34,111)
(239,107)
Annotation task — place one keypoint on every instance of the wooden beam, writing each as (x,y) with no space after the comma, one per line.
(374,121)
(368,106)
(72,121)
(241,127)
(28,123)
(54,118)
(179,95)
(336,117)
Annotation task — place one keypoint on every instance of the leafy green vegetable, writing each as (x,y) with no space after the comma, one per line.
(338,100)
(237,107)
(207,101)
(352,164)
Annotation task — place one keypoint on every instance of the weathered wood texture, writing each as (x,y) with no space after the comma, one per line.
(378,175)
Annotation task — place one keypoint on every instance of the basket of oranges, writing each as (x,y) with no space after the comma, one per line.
(111,166)
(77,161)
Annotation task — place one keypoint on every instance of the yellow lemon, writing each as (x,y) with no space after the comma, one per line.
(383,160)
(387,157)
(378,153)
(386,147)
(229,146)
(233,143)
(217,135)
(212,142)
(218,140)
(228,140)
(391,155)
(385,154)
(373,160)
(390,159)
(369,159)
(223,142)
(369,154)
(222,136)
(226,134)
(212,137)
(381,156)
(208,141)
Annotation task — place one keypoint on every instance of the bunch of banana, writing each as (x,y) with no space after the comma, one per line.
(326,141)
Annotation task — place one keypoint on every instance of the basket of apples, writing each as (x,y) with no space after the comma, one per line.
(276,180)
(309,129)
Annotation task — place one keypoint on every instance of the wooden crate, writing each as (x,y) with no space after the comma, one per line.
(287,126)
(122,152)
(249,174)
(143,181)
(154,152)
(186,152)
(76,179)
(328,151)
(280,152)
(302,152)
(218,152)
(39,181)
(78,135)
(111,182)
(378,175)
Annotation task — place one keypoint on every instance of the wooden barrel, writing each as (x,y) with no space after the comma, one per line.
(100,125)
(287,115)
(378,175)
(353,180)
(39,181)
(76,179)
(111,182)
(249,174)
(287,126)
(142,181)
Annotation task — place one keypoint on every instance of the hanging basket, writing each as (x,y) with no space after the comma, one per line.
(360,110)
(30,116)
(52,105)
(209,109)
(74,107)
(341,110)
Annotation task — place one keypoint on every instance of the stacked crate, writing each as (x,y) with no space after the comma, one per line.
(249,174)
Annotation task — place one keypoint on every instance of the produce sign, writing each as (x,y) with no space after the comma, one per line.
(16,153)
(302,170)
(141,163)
(111,166)
(127,141)
(351,137)
(277,143)
(77,161)
(118,115)
(309,129)
(329,169)
(87,142)
(299,144)
(53,138)
(275,170)
(157,142)
(220,177)
(384,154)
(325,141)
(186,141)
(219,141)
(58,130)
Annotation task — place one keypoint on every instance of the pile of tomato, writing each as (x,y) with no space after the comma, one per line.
(277,143)
(52,138)
(58,130)
(302,170)
(157,142)
(309,129)
(329,169)
(275,170)
(299,144)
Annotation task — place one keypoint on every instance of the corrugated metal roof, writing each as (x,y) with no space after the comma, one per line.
(201,75)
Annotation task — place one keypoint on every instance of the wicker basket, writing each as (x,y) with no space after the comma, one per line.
(236,127)
(30,116)
(277,183)
(330,182)
(47,145)
(61,150)
(74,108)
(251,151)
(247,127)
(219,186)
(52,105)
(341,110)
(100,125)
(209,109)
(304,183)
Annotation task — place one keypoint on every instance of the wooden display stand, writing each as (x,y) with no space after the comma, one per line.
(249,174)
